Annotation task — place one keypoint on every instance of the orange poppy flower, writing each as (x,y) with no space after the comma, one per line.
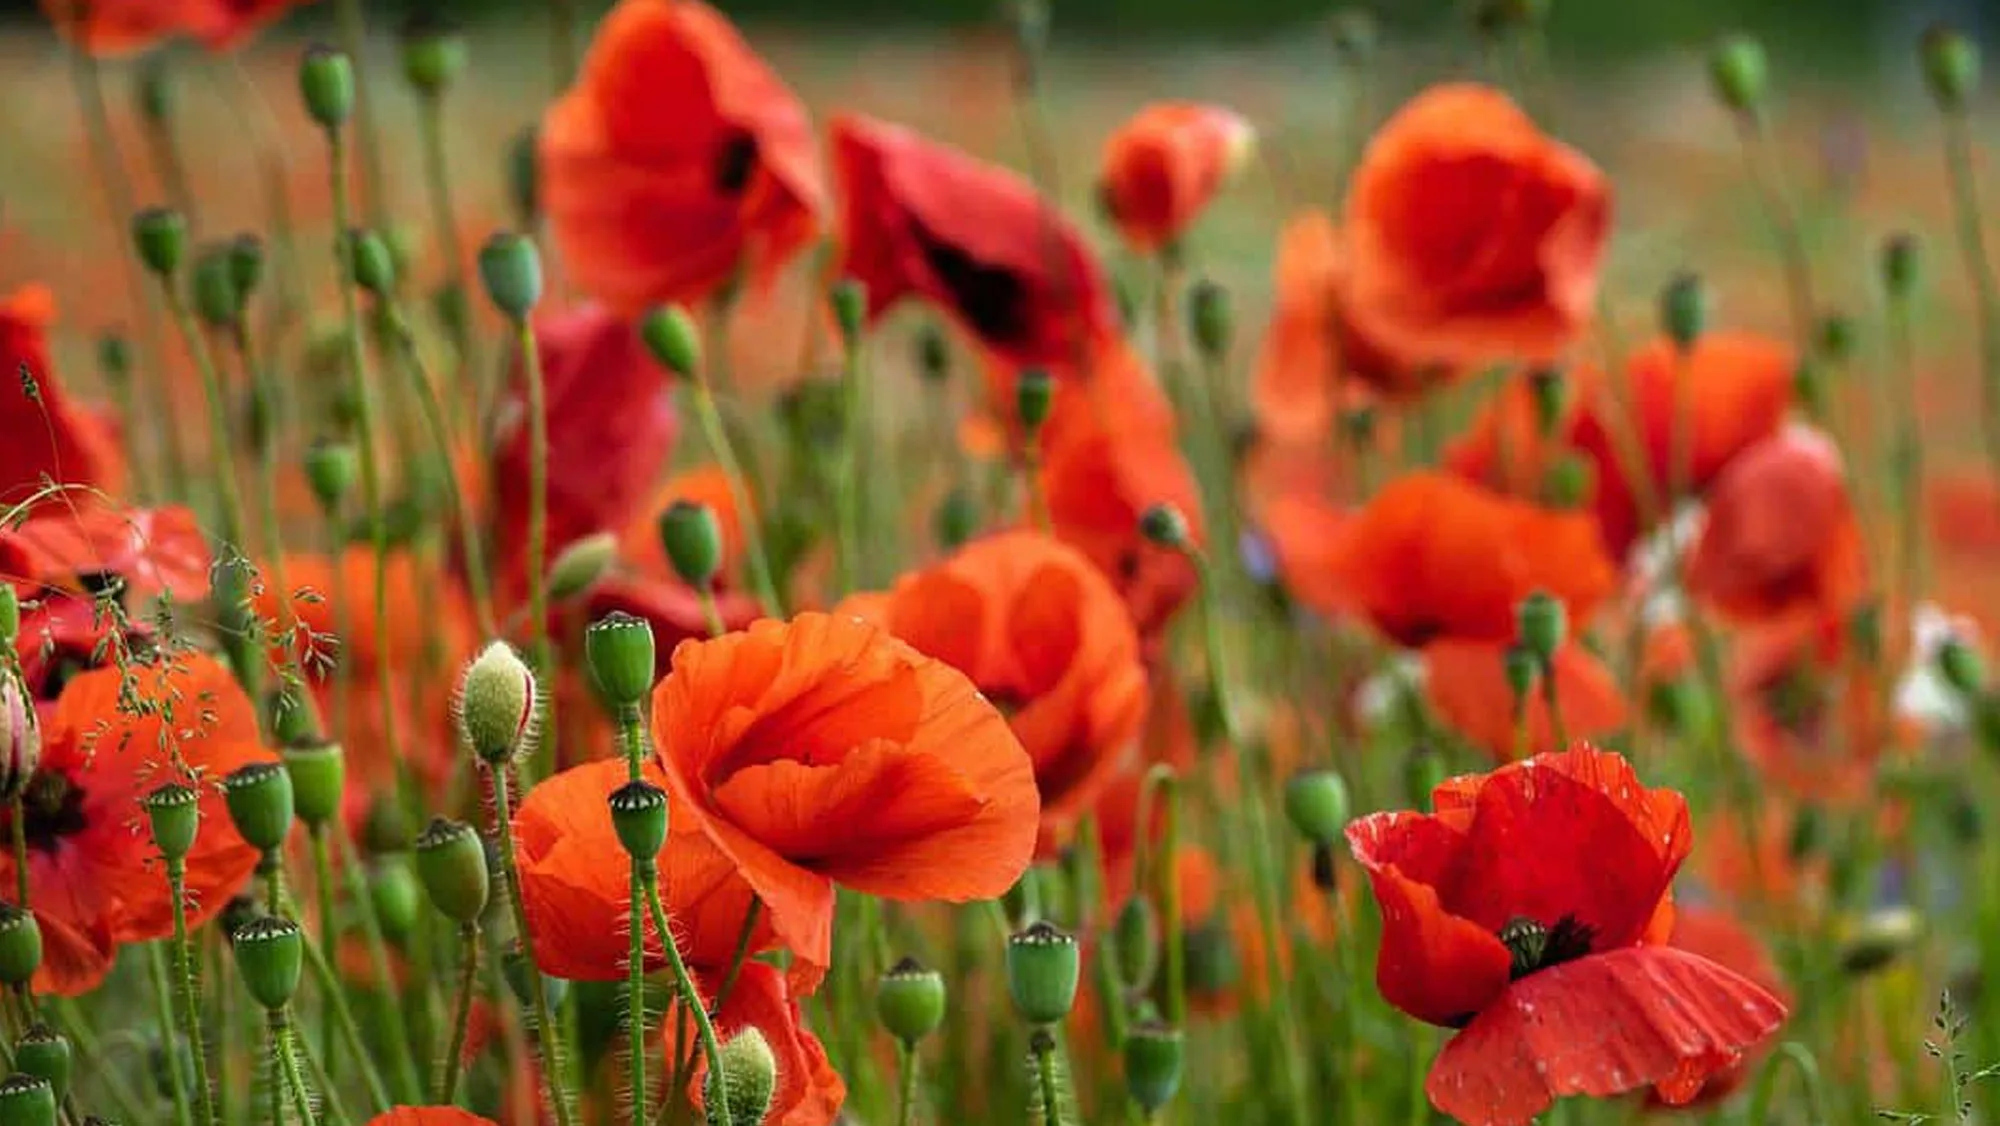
(648,207)
(1161,169)
(1553,967)
(1811,720)
(822,751)
(48,435)
(809,1090)
(924,219)
(1467,684)
(428,1116)
(1780,534)
(94,883)
(1508,447)
(1044,636)
(1434,556)
(575,883)
(1720,938)
(122,27)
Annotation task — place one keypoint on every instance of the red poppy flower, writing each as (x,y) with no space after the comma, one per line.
(822,751)
(1809,718)
(1162,168)
(1552,966)
(121,27)
(155,550)
(809,1090)
(93,879)
(428,1116)
(1044,636)
(67,634)
(1509,447)
(1720,938)
(920,218)
(1780,534)
(1467,684)
(49,437)
(649,207)
(1434,556)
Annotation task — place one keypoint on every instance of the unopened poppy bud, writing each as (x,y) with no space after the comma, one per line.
(1209,960)
(214,288)
(673,338)
(331,467)
(369,262)
(1135,943)
(1210,319)
(451,862)
(1951,65)
(1520,665)
(20,737)
(20,945)
(45,1053)
(173,812)
(1961,667)
(639,814)
(910,1001)
(318,774)
(1567,481)
(433,55)
(1042,967)
(523,175)
(619,650)
(1163,524)
(1317,805)
(393,890)
(1550,392)
(1153,1056)
(497,703)
(956,519)
(1740,72)
(850,309)
(1034,393)
(1684,310)
(581,564)
(1879,939)
(692,538)
(10,615)
(160,235)
(27,1100)
(1543,624)
(933,354)
(245,254)
(748,1082)
(511,270)
(326,83)
(269,954)
(259,797)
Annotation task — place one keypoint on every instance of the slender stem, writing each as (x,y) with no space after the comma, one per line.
(670,1102)
(743,936)
(1168,875)
(711,613)
(554,1072)
(1907,458)
(90,1052)
(1762,163)
(288,1066)
(468,980)
(335,998)
(329,934)
(1044,1043)
(1801,1059)
(906,1104)
(17,820)
(1552,701)
(189,990)
(539,654)
(331,1107)
(437,179)
(167,162)
(402,1054)
(747,516)
(1985,290)
(690,999)
(635,995)
(848,487)
(354,40)
(264,390)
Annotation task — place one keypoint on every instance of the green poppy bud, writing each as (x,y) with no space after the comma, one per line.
(693,540)
(332,467)
(933,354)
(1163,524)
(1034,393)
(269,954)
(1317,805)
(1543,623)
(259,797)
(1520,667)
(748,1082)
(1551,394)
(523,177)
(216,301)
(1837,337)
(114,357)
(451,862)
(245,254)
(160,234)
(1684,310)
(619,651)
(10,615)
(639,814)
(433,55)
(27,1100)
(1153,1056)
(497,703)
(581,565)
(1210,319)
(673,338)
(910,1001)
(850,310)
(1042,968)
(1961,667)
(394,891)
(20,736)
(1567,481)
(369,262)
(956,519)
(1135,943)
(326,82)
(173,811)
(20,945)
(319,780)
(45,1053)
(511,270)
(1209,960)
(1740,72)
(1951,65)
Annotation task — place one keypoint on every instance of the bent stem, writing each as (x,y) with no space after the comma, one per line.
(1986,293)
(331,1108)
(335,999)
(288,1066)
(554,1072)
(690,999)
(468,981)
(189,989)
(1802,1061)
(1761,162)
(717,437)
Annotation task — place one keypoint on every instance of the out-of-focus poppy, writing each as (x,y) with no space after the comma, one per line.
(1512,446)
(153,550)
(1553,969)
(121,27)
(49,436)
(93,880)
(1812,720)
(428,1116)
(611,430)
(1780,534)
(924,219)
(1044,636)
(645,584)
(1466,682)
(809,1090)
(575,883)
(1719,937)
(1161,169)
(822,750)
(1435,556)
(649,207)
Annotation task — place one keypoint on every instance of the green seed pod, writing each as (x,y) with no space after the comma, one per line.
(318,774)
(910,1001)
(27,1100)
(433,56)
(20,736)
(451,862)
(581,565)
(20,945)
(692,538)
(1135,943)
(259,797)
(956,519)
(748,1082)
(850,310)
(933,354)
(394,890)
(1153,1056)
(1568,480)
(114,357)
(160,234)
(1210,320)
(1210,961)
(216,300)
(45,1053)
(290,717)
(1543,624)
(511,270)
(269,954)
(1317,805)
(1961,667)
(673,338)
(326,83)
(10,615)
(497,703)
(1163,524)
(639,813)
(1034,393)
(173,812)
(1740,73)
(1551,395)
(1684,310)
(523,176)
(619,651)
(1042,968)
(332,467)
(1951,66)
(1520,667)
(369,262)
(245,254)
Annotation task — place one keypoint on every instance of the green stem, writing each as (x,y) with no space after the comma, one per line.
(331,1107)
(1163,778)
(17,819)
(635,995)
(906,1103)
(90,1053)
(711,613)
(1552,701)
(1762,164)
(848,487)
(1044,1044)
(1907,458)
(402,1054)
(335,998)
(354,40)
(437,179)
(165,148)
(328,931)
(538,533)
(742,954)
(671,1103)
(288,1066)
(1986,293)
(468,980)
(190,990)
(747,516)
(690,998)
(264,389)
(554,1071)
(1802,1061)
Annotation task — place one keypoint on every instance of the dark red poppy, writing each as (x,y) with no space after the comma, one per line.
(648,207)
(153,550)
(50,438)
(1780,534)
(1530,911)
(924,219)
(1161,169)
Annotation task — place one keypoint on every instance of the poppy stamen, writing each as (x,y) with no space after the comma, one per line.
(53,808)
(1536,946)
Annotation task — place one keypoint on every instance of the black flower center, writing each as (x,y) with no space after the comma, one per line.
(53,809)
(1536,946)
(990,298)
(735,163)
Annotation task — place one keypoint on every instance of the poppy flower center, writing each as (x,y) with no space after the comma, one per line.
(735,164)
(1536,946)
(991,298)
(53,809)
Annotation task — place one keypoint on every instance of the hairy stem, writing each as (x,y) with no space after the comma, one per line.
(554,1072)
(690,998)
(461,1020)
